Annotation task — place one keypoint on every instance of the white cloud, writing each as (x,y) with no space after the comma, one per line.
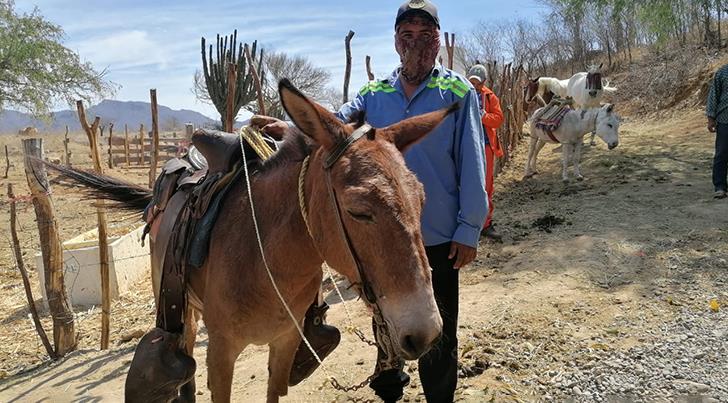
(123,50)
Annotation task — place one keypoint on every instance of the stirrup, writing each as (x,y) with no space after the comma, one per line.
(323,338)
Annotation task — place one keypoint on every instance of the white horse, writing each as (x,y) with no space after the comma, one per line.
(586,88)
(570,134)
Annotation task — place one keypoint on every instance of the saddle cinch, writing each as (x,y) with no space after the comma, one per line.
(187,198)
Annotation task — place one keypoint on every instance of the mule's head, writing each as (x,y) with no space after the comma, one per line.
(594,81)
(380,202)
(608,125)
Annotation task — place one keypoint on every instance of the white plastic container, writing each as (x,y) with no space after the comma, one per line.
(128,262)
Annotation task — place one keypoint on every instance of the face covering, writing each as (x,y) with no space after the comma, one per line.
(417,56)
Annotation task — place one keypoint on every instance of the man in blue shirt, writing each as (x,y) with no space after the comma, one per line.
(716,109)
(450,164)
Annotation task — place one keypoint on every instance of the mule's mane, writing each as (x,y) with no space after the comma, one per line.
(297,146)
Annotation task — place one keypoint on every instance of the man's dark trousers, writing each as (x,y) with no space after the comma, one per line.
(439,367)
(720,161)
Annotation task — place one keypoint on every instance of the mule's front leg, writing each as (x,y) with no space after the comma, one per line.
(280,360)
(592,142)
(221,356)
(577,159)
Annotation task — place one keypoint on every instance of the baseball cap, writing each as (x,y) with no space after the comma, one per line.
(478,72)
(417,5)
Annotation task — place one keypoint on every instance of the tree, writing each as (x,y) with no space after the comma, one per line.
(308,78)
(36,70)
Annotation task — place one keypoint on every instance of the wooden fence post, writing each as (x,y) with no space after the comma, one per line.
(155,138)
(67,153)
(449,48)
(141,144)
(368,62)
(126,144)
(7,161)
(111,145)
(232,79)
(24,275)
(256,80)
(64,333)
(347,73)
(101,215)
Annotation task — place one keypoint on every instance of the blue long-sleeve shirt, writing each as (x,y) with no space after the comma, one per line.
(716,106)
(449,162)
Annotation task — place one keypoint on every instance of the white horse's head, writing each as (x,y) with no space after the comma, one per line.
(594,81)
(608,125)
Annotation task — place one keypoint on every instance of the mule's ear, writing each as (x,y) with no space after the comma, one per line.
(308,116)
(409,131)
(610,108)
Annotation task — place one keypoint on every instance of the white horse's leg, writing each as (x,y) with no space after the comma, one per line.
(539,146)
(577,159)
(565,156)
(531,150)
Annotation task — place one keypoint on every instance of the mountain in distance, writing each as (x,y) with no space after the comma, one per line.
(131,113)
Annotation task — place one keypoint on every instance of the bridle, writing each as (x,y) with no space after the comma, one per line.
(330,159)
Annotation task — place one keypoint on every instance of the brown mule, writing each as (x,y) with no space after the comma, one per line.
(379,202)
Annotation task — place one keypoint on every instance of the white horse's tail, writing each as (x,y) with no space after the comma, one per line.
(607,88)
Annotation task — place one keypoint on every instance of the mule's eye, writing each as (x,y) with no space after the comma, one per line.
(610,125)
(360,216)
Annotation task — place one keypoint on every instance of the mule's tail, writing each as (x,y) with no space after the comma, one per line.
(122,194)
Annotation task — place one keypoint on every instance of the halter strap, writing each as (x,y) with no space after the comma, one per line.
(344,144)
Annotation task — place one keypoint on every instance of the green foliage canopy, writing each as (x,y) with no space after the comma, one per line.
(36,70)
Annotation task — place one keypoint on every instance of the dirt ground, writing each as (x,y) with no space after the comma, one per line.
(587,270)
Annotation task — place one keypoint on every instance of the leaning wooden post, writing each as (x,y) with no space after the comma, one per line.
(370,75)
(256,80)
(232,79)
(64,333)
(7,161)
(24,275)
(155,137)
(101,215)
(67,153)
(126,144)
(347,73)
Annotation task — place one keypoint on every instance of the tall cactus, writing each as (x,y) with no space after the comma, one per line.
(216,77)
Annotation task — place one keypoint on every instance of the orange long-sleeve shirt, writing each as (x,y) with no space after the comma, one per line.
(492,118)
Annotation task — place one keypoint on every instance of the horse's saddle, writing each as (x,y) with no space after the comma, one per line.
(187,197)
(549,118)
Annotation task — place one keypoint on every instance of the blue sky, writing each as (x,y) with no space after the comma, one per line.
(156,44)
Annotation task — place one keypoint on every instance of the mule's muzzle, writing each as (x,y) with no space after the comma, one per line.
(413,346)
(593,93)
(613,145)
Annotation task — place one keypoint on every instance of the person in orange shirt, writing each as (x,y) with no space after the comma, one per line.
(492,118)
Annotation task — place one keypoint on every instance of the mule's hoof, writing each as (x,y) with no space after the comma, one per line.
(580,178)
(529,175)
